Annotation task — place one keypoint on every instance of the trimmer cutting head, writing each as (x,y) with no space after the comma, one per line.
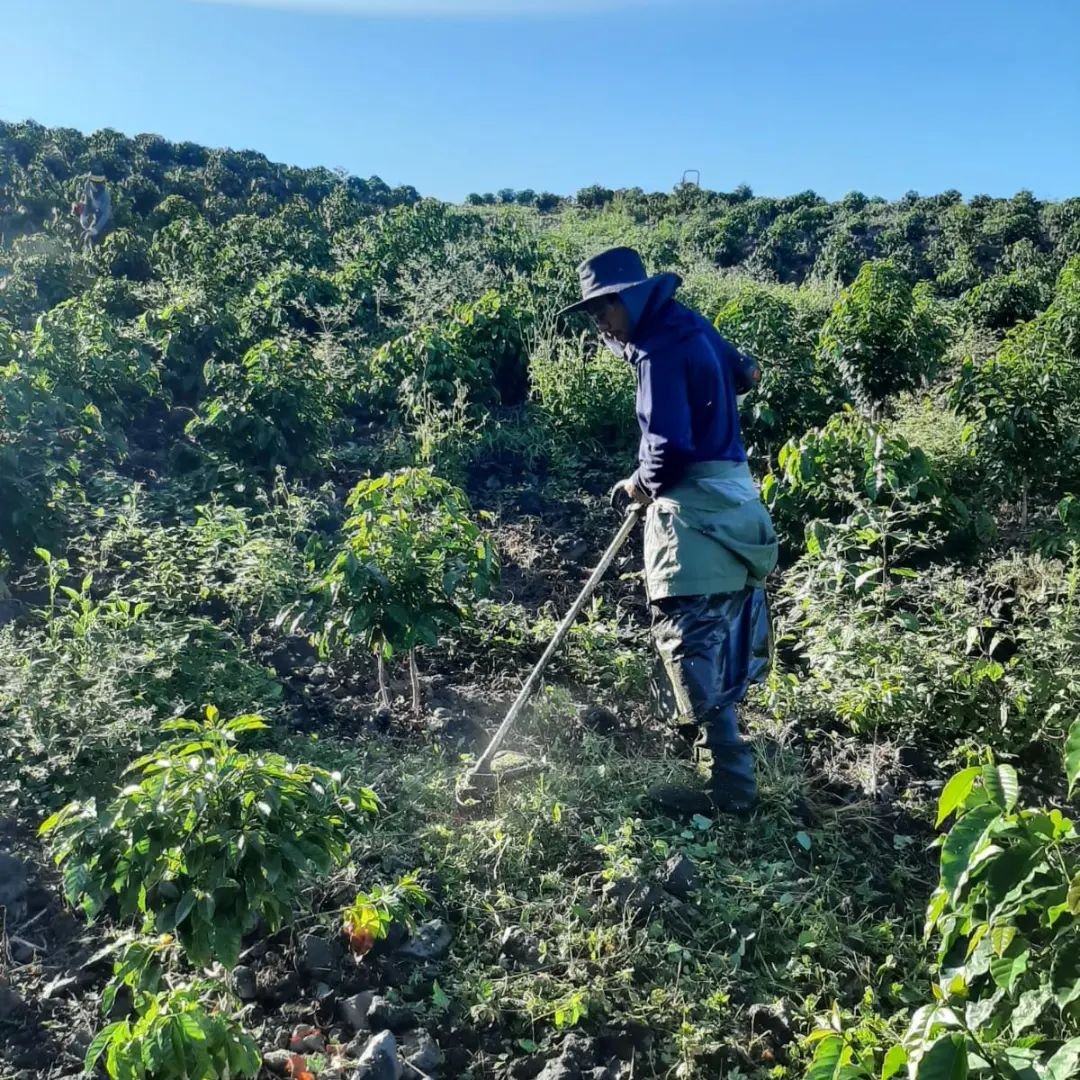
(480,786)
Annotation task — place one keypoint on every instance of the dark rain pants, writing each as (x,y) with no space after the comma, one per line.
(712,648)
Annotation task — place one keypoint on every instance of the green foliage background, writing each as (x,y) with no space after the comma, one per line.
(184,413)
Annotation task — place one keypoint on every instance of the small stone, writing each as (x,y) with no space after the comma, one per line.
(772,1020)
(277,1062)
(579,1050)
(13,880)
(679,877)
(22,952)
(354,1010)
(421,1051)
(633,897)
(602,721)
(379,1060)
(518,945)
(385,1016)
(527,1068)
(307,1040)
(432,942)
(276,987)
(244,983)
(576,1056)
(257,951)
(318,955)
(559,1070)
(10,1002)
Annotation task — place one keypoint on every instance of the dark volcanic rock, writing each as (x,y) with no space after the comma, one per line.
(431,942)
(679,877)
(379,1060)
(383,1015)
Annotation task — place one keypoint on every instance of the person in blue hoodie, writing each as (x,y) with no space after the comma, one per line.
(709,541)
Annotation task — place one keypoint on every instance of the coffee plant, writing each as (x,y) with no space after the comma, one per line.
(1005,915)
(176,1034)
(882,337)
(275,407)
(481,347)
(413,557)
(184,411)
(209,839)
(1023,402)
(780,331)
(850,463)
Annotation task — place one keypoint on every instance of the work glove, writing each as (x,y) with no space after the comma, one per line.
(625,494)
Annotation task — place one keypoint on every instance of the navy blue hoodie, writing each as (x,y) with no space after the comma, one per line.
(686,397)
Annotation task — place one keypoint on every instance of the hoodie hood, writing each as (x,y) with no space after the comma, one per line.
(645,300)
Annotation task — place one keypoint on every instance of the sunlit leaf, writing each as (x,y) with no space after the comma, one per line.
(962,841)
(956,791)
(1072,755)
(1001,784)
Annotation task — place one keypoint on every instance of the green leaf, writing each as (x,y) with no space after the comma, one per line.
(956,791)
(804,840)
(1073,898)
(250,722)
(227,939)
(962,842)
(183,908)
(1001,784)
(191,1027)
(828,1059)
(439,996)
(1005,970)
(895,1060)
(1072,755)
(100,1042)
(936,908)
(1001,938)
(1029,1008)
(1065,1064)
(1065,972)
(945,1060)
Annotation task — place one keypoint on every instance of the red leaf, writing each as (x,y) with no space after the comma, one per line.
(296,1066)
(360,942)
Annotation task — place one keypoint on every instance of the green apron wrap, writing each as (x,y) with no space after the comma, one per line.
(708,534)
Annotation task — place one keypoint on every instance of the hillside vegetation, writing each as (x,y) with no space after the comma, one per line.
(298,473)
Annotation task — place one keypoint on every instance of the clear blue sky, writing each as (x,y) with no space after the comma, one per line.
(455,96)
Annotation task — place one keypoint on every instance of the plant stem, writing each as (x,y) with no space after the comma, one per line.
(414,678)
(384,689)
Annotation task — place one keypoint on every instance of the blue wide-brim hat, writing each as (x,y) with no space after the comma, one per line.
(612,272)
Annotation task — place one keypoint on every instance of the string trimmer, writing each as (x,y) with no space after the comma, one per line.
(480,779)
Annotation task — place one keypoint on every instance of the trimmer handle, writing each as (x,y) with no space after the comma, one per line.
(619,500)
